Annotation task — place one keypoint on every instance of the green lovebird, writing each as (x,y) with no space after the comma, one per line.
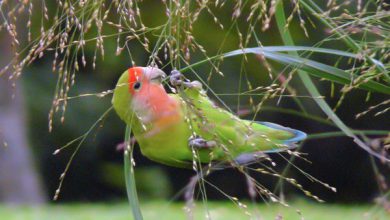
(173,129)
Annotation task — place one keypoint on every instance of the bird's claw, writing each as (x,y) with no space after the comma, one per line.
(200,143)
(250,158)
(123,146)
(194,84)
(177,79)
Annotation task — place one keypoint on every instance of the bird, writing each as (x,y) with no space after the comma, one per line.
(176,128)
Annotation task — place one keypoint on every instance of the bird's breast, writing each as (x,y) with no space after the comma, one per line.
(156,110)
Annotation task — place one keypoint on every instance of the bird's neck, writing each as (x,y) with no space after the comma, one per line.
(154,105)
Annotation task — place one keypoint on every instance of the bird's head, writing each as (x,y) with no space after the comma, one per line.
(135,88)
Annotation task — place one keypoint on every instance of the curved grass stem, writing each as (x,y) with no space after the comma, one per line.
(131,187)
(311,88)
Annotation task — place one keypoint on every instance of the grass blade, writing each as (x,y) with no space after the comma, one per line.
(307,82)
(318,50)
(131,187)
(313,67)
(316,10)
(341,134)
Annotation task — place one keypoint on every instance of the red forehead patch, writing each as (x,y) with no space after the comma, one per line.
(135,75)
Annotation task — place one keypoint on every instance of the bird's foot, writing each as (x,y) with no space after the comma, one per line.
(250,158)
(177,79)
(200,143)
(122,146)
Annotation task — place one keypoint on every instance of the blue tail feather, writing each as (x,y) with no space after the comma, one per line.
(298,135)
(249,158)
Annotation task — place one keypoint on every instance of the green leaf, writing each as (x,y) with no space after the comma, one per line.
(313,67)
(307,82)
(131,187)
(316,10)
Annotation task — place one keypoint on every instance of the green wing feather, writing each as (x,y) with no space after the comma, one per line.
(234,136)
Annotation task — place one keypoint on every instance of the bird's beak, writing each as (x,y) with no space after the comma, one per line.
(154,74)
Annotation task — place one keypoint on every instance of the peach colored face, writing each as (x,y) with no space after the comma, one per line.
(150,101)
(140,76)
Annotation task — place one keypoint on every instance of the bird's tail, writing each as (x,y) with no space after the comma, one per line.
(297,135)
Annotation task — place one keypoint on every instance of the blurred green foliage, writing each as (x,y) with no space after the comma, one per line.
(152,181)
(218,211)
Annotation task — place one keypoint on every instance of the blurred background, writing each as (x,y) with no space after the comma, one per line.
(29,172)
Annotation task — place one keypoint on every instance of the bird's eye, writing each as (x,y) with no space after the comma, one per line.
(137,86)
